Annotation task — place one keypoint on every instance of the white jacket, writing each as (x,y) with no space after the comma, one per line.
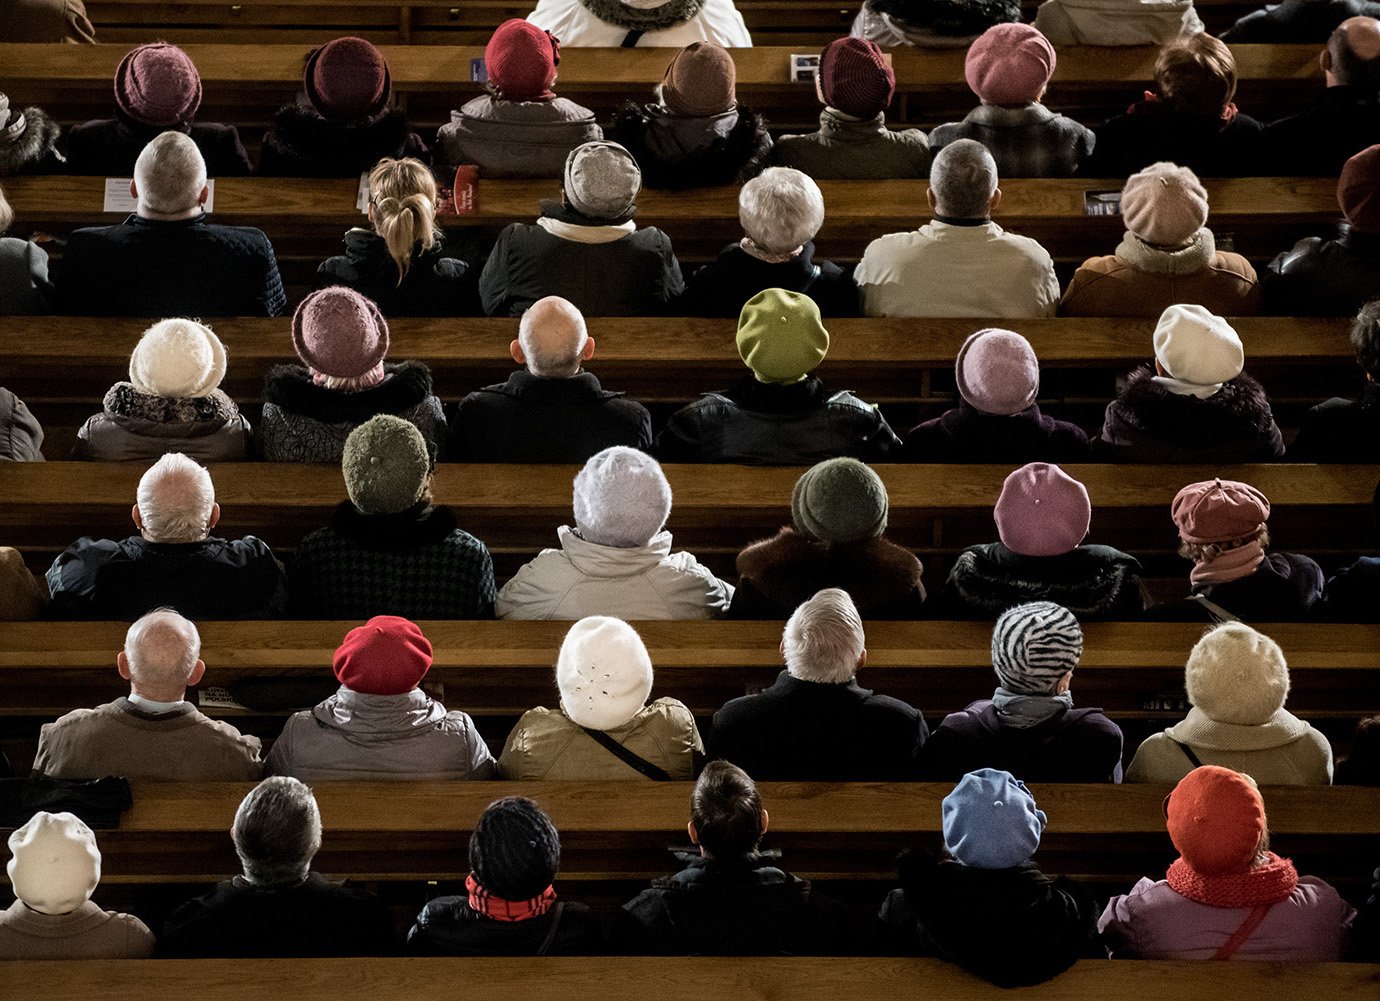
(582,579)
(1117,22)
(573,24)
(964,271)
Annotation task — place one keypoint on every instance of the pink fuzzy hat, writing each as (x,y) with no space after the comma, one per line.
(158,85)
(1009,64)
(339,333)
(997,372)
(1042,511)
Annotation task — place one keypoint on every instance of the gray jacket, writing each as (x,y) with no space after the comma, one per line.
(24,285)
(515,138)
(356,736)
(134,425)
(848,148)
(21,436)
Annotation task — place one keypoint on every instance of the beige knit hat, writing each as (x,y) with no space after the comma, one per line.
(604,673)
(177,358)
(1237,675)
(56,864)
(1164,204)
(1197,347)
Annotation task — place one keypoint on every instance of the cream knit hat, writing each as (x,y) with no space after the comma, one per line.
(1237,675)
(56,863)
(621,498)
(177,358)
(1196,347)
(1164,204)
(604,673)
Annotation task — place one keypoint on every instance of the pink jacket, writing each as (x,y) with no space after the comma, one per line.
(1155,922)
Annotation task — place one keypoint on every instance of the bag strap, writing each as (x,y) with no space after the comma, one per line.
(551,932)
(1247,929)
(810,283)
(1218,613)
(1188,753)
(628,757)
(631,39)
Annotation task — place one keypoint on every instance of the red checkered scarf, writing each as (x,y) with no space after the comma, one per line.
(485,903)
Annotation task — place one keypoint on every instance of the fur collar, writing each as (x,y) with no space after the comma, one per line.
(1089,581)
(1240,402)
(779,564)
(419,525)
(302,131)
(405,386)
(1195,257)
(737,156)
(668,15)
(37,141)
(951,17)
(123,400)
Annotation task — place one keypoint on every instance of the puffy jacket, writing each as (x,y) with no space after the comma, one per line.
(1283,751)
(303,143)
(722,286)
(675,151)
(1116,22)
(109,147)
(435,284)
(21,436)
(134,425)
(1320,277)
(1141,280)
(848,148)
(1296,22)
(515,138)
(547,746)
(449,926)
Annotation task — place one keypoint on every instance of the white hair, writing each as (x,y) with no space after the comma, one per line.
(780,209)
(169,175)
(553,335)
(162,649)
(824,638)
(175,498)
(277,831)
(963,177)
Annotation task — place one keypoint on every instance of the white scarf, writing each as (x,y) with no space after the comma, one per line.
(586,234)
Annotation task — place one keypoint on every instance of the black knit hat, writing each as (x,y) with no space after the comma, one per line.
(515,850)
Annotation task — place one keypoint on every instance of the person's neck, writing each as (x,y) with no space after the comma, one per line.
(953,220)
(144,212)
(154,698)
(775,382)
(172,542)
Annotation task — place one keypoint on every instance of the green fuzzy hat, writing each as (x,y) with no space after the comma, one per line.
(386,464)
(780,335)
(839,500)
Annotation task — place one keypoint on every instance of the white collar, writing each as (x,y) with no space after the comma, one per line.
(586,234)
(153,706)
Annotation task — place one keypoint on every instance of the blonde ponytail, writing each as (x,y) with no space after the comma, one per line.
(403,194)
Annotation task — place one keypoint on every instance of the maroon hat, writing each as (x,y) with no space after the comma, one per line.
(521,59)
(339,333)
(388,655)
(856,77)
(158,85)
(1214,511)
(1358,190)
(347,79)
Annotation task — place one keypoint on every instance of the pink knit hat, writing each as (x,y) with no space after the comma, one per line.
(347,79)
(1219,511)
(1358,190)
(158,85)
(856,77)
(339,333)
(1042,511)
(1009,64)
(1164,204)
(997,372)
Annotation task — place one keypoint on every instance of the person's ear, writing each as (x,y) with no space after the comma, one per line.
(1065,683)
(122,664)
(862,659)
(765,819)
(202,198)
(1041,95)
(781,648)
(588,352)
(371,211)
(694,834)
(1325,59)
(929,197)
(215,517)
(819,89)
(996,200)
(515,349)
(133,191)
(138,518)
(197,672)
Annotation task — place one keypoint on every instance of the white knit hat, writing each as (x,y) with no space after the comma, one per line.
(1237,675)
(622,498)
(604,673)
(1197,347)
(177,358)
(56,863)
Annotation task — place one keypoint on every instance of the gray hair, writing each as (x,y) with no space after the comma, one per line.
(552,335)
(277,831)
(963,178)
(780,209)
(175,498)
(169,175)
(162,649)
(824,638)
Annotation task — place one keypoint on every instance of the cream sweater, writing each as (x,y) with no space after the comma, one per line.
(1283,751)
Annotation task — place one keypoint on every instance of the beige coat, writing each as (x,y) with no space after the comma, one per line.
(546,745)
(1142,280)
(86,933)
(22,595)
(1284,751)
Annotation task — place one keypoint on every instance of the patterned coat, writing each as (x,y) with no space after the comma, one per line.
(1026,142)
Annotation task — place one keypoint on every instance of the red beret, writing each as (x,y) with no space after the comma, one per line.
(388,655)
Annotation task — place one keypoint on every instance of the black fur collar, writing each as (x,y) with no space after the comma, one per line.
(738,156)
(419,525)
(668,15)
(38,140)
(1087,581)
(405,386)
(302,131)
(1240,402)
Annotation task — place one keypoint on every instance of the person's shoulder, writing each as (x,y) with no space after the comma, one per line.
(250,547)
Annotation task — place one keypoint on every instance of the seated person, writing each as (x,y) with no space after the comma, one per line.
(961,263)
(154,735)
(22,595)
(1196,405)
(380,725)
(171,403)
(1042,517)
(1237,681)
(400,261)
(510,907)
(278,906)
(1342,430)
(696,134)
(856,83)
(617,560)
(21,435)
(24,286)
(1226,881)
(1335,277)
(586,248)
(604,729)
(157,89)
(1361,766)
(839,513)
(54,869)
(173,560)
(630,23)
(938,24)
(778,414)
(29,140)
(166,259)
(815,723)
(1008,68)
(1116,22)
(344,122)
(997,418)
(780,210)
(519,127)
(1029,726)
(985,888)
(1351,593)
(1188,119)
(1292,22)
(388,549)
(341,339)
(728,900)
(45,21)
(552,409)
(1167,256)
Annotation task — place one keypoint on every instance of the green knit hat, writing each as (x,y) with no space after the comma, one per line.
(839,500)
(386,463)
(780,335)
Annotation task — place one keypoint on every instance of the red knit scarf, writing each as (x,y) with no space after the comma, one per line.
(485,903)
(1262,884)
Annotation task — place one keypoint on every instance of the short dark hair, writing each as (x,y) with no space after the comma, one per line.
(1365,338)
(1362,766)
(726,810)
(1196,75)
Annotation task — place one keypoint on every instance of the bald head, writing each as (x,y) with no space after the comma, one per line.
(552,339)
(1352,57)
(162,656)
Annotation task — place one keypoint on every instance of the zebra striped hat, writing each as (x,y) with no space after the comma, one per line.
(1035,645)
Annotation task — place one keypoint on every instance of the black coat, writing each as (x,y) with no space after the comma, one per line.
(1296,22)
(1150,132)
(1093,582)
(966,434)
(146,267)
(1340,430)
(1324,277)
(303,143)
(532,419)
(1287,587)
(109,146)
(1353,592)
(722,286)
(738,156)
(1365,933)
(448,926)
(435,285)
(809,731)
(1077,745)
(1320,139)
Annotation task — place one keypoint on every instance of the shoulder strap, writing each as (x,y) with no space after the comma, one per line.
(631,39)
(1218,613)
(556,913)
(1188,753)
(810,282)
(1246,930)
(628,758)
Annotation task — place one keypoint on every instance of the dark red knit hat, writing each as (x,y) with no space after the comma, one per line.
(521,59)
(1358,190)
(347,79)
(388,655)
(856,78)
(158,85)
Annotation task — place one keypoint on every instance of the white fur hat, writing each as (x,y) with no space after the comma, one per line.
(177,358)
(56,863)
(604,673)
(1237,675)
(1197,347)
(622,498)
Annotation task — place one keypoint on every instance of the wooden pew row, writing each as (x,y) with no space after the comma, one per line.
(1131,669)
